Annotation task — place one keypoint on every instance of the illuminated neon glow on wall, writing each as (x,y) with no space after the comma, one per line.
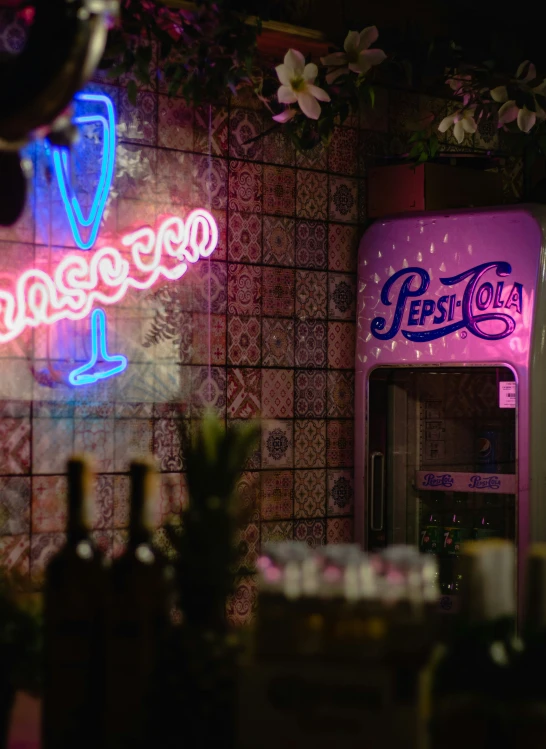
(82,281)
(89,373)
(61,158)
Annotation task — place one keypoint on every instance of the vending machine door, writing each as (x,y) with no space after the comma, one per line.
(442,461)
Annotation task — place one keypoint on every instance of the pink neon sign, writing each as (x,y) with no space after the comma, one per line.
(82,281)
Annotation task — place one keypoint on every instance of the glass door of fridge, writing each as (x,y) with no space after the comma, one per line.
(441,461)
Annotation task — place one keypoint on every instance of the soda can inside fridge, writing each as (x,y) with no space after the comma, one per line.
(450,369)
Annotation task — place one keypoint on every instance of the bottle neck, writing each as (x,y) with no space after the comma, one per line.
(142,491)
(78,520)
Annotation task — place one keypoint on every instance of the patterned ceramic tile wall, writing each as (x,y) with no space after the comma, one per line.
(264,328)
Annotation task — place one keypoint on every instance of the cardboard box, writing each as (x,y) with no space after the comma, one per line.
(403,188)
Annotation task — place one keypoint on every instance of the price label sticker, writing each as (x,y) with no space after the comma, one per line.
(507,394)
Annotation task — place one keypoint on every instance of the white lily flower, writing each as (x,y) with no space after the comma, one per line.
(531,73)
(357,56)
(297,84)
(462,122)
(288,114)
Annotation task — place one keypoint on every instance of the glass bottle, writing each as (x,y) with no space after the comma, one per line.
(73,609)
(472,675)
(137,621)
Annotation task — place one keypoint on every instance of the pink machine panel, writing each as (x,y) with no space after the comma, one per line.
(453,290)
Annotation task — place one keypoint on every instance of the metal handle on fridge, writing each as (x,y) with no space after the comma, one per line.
(377,491)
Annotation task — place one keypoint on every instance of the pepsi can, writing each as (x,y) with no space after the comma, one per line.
(487,451)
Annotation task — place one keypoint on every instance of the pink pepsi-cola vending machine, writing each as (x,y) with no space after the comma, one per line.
(451,382)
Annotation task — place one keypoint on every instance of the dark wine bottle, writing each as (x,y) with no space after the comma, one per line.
(471,677)
(73,607)
(527,695)
(137,622)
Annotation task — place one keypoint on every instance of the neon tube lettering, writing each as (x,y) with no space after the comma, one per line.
(60,156)
(88,374)
(80,282)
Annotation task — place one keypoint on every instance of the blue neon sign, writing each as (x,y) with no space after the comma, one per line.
(61,158)
(90,373)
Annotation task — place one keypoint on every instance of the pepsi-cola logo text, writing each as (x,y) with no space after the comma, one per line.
(491,482)
(474,306)
(431,479)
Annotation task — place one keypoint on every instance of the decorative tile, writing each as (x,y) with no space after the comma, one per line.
(120,539)
(174,179)
(15,554)
(208,390)
(103,507)
(312,532)
(310,344)
(244,289)
(372,146)
(209,286)
(167,448)
(487,134)
(49,504)
(14,505)
(52,444)
(340,530)
(340,493)
(138,122)
(362,201)
(311,244)
(279,190)
(133,438)
(278,292)
(210,177)
(278,342)
(244,125)
(315,158)
(244,393)
(247,540)
(173,498)
(310,444)
(311,296)
(310,494)
(245,187)
(136,167)
(209,339)
(241,604)
(310,394)
(277,444)
(343,151)
(341,345)
(282,530)
(341,394)
(245,237)
(341,296)
(15,445)
(277,495)
(121,501)
(95,437)
(312,195)
(211,130)
(343,199)
(175,128)
(248,492)
(339,443)
(103,539)
(244,340)
(277,393)
(343,247)
(279,241)
(278,148)
(43,547)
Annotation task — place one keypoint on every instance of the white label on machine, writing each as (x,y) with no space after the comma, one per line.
(507,394)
